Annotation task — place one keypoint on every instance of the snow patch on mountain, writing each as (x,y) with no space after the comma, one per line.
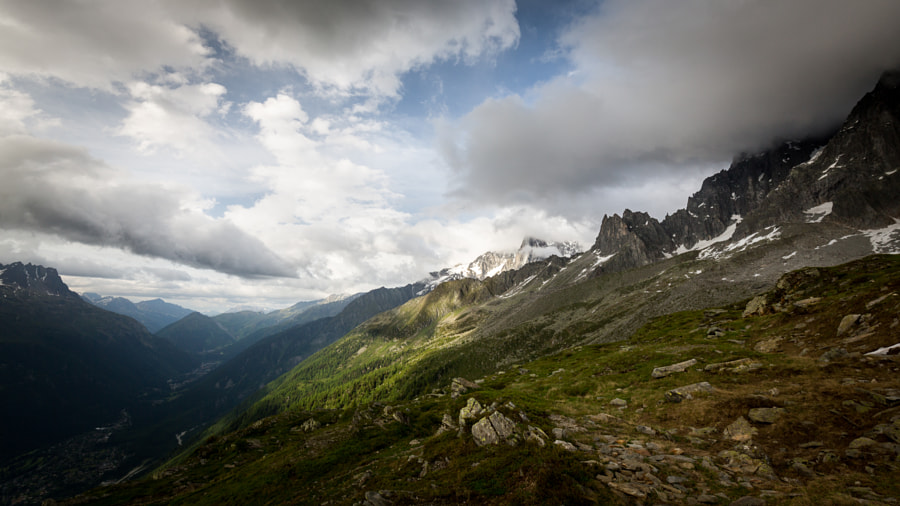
(518,288)
(885,350)
(724,236)
(885,240)
(598,261)
(741,245)
(818,213)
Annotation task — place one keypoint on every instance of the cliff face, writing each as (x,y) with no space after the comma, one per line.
(737,191)
(855,175)
(635,239)
(849,178)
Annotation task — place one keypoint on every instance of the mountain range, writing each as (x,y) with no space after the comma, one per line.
(675,360)
(152,314)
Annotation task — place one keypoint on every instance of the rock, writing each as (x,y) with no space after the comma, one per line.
(740,430)
(715,332)
(768,345)
(847,323)
(807,302)
(447,424)
(643,429)
(310,425)
(460,386)
(662,372)
(493,429)
(892,432)
(861,442)
(376,499)
(483,433)
(765,415)
(740,462)
(803,470)
(686,392)
(619,403)
(502,425)
(565,445)
(832,355)
(471,410)
(361,478)
(730,365)
(756,306)
(536,435)
(879,300)
(559,433)
(707,499)
(749,500)
(627,489)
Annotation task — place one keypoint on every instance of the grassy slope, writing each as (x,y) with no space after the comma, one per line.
(827,405)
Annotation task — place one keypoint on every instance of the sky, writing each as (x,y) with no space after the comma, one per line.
(217,153)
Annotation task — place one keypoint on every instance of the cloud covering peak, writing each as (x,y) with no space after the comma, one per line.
(659,86)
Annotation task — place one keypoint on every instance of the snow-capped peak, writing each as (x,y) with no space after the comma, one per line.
(493,262)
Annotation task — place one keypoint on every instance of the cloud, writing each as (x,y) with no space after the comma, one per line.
(357,45)
(94,44)
(329,215)
(19,111)
(58,189)
(172,117)
(662,87)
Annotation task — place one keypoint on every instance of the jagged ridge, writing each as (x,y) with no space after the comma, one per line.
(852,173)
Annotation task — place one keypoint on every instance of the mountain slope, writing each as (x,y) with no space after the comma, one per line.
(776,402)
(197,333)
(67,366)
(243,375)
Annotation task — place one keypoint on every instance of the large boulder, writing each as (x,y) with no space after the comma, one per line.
(460,386)
(493,429)
(662,372)
(470,411)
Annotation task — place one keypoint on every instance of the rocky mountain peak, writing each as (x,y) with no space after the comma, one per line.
(851,177)
(492,263)
(34,279)
(533,242)
(855,174)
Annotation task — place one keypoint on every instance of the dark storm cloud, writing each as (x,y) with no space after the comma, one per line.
(661,86)
(92,44)
(60,190)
